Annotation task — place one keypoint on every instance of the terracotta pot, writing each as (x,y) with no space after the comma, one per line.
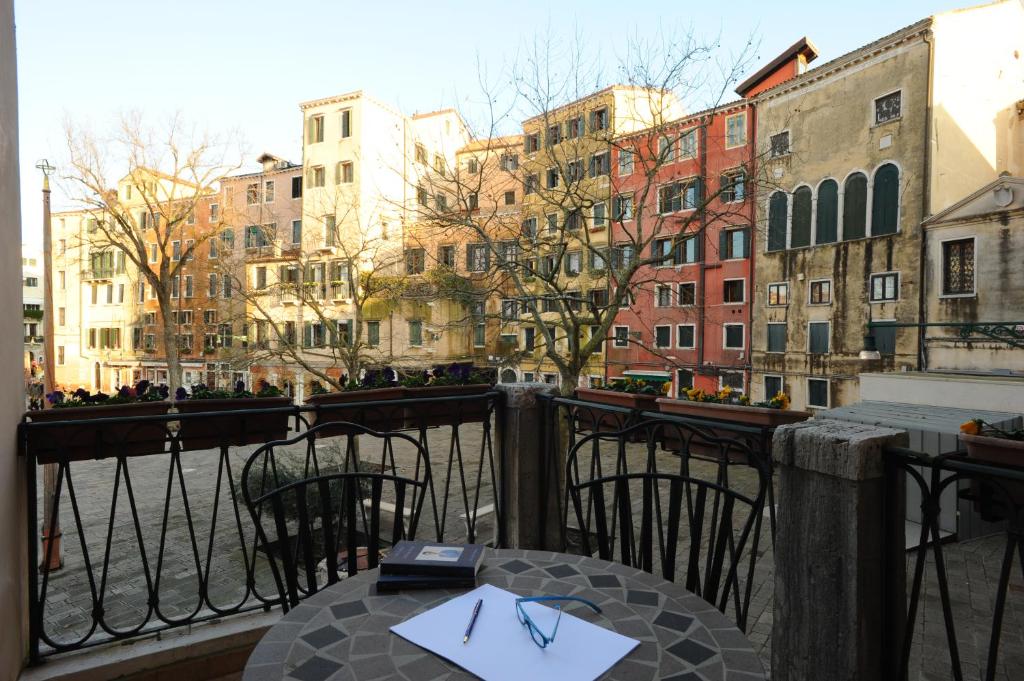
(988,501)
(729,413)
(446,413)
(234,428)
(607,421)
(382,417)
(83,440)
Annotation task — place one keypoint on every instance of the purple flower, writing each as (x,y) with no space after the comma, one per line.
(389,374)
(141,387)
(164,391)
(100,397)
(124,391)
(82,394)
(240,387)
(181,394)
(56,397)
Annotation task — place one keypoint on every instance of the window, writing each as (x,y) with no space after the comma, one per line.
(772,386)
(477,258)
(958,267)
(733,186)
(885,287)
(416,333)
(316,129)
(227,286)
(574,127)
(779,144)
(817,393)
(688,294)
(209,316)
(687,251)
(622,208)
(855,202)
(330,233)
(688,144)
(600,211)
(778,294)
(190,219)
(441,201)
(735,130)
(818,338)
(552,178)
(574,170)
(510,198)
(600,164)
(885,339)
(446,256)
(887,108)
(661,251)
(620,334)
(684,380)
(623,256)
(268,191)
(296,189)
(776,339)
(685,336)
(599,298)
(679,196)
(261,278)
(530,228)
(666,149)
(573,263)
(472,166)
(821,292)
(421,153)
(552,219)
(175,288)
(373,333)
(149,341)
(599,120)
(662,336)
(188,288)
(175,251)
(885,200)
(346,123)
(598,258)
(439,164)
(149,319)
(826,229)
(733,291)
(731,379)
(573,219)
(531,183)
(509,309)
(415,260)
(345,173)
(801,233)
(316,176)
(531,143)
(190,247)
(778,205)
(734,243)
(663,296)
(529,338)
(226,335)
(479,334)
(422,196)
(732,336)
(625,163)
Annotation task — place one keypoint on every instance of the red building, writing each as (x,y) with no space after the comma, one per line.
(690,319)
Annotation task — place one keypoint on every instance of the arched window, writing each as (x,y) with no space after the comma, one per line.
(885,200)
(828,212)
(778,205)
(801,218)
(855,206)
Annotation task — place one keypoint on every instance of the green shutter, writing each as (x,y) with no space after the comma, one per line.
(855,202)
(828,212)
(885,200)
(723,244)
(746,242)
(777,206)
(802,202)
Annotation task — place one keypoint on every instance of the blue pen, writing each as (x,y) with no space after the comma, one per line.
(472,620)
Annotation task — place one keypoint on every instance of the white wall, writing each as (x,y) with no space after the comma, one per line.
(13,578)
(945,390)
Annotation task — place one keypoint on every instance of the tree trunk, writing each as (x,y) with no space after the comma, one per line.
(570,381)
(170,332)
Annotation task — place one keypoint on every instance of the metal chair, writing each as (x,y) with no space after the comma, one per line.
(316,511)
(700,532)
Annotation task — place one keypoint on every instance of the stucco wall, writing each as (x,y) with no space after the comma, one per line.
(13,577)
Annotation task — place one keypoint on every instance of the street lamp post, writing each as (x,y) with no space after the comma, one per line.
(51,548)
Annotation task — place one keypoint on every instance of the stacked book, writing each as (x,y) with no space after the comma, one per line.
(428,565)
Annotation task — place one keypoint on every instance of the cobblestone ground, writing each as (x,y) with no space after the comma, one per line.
(972,566)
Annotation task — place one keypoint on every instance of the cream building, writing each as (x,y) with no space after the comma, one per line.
(855,154)
(32,304)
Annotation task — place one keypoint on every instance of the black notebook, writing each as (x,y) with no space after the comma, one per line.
(392,583)
(429,558)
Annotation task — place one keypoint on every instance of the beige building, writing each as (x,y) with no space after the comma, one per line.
(855,154)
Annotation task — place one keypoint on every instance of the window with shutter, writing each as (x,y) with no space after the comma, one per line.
(885,200)
(828,213)
(778,205)
(776,338)
(855,206)
(802,202)
(818,338)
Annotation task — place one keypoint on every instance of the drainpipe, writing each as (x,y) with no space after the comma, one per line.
(922,310)
(750,196)
(702,297)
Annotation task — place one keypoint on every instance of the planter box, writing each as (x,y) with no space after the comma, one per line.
(988,501)
(757,417)
(382,418)
(609,421)
(446,413)
(84,440)
(235,428)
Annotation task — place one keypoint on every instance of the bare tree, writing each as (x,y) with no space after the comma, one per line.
(565,238)
(165,173)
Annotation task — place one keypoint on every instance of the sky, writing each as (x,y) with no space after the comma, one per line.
(240,68)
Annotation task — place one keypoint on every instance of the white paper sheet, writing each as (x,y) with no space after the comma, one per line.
(501,648)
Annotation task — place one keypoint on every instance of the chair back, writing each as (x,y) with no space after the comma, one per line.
(314,513)
(691,522)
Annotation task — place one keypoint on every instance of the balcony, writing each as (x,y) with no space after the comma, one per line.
(99,273)
(33,339)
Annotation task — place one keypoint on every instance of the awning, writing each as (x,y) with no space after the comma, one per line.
(648,375)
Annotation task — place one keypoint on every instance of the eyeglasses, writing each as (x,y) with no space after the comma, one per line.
(535,633)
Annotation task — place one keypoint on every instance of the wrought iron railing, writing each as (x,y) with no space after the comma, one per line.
(150,513)
(939,583)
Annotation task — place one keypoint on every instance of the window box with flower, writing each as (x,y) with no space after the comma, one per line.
(82,439)
(730,405)
(236,427)
(454,380)
(378,386)
(994,498)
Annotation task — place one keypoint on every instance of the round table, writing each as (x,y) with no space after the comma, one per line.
(342,632)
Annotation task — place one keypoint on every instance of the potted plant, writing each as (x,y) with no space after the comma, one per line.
(375,386)
(636,394)
(235,427)
(990,443)
(455,380)
(80,439)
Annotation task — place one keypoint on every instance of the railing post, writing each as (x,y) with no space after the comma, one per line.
(523,461)
(830,559)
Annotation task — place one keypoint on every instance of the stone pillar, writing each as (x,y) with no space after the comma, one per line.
(521,436)
(830,562)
